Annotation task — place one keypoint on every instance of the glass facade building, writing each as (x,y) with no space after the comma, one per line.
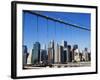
(36,53)
(25,54)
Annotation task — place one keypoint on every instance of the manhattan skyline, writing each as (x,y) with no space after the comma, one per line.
(55,55)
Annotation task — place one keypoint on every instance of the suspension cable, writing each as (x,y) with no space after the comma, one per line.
(57,20)
(37,28)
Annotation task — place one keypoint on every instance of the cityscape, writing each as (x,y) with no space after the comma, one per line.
(55,55)
(54,39)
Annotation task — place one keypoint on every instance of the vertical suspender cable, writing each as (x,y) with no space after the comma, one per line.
(55,32)
(62,31)
(47,28)
(37,28)
(61,25)
(47,32)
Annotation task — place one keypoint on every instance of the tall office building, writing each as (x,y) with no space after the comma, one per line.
(64,44)
(25,54)
(69,54)
(51,52)
(86,54)
(43,53)
(36,53)
(73,52)
(51,44)
(61,54)
(81,55)
(65,54)
(50,56)
(24,49)
(29,59)
(75,47)
(77,55)
(89,55)
(57,55)
(43,56)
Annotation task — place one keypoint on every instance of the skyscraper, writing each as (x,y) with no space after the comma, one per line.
(57,55)
(51,44)
(75,47)
(50,56)
(76,53)
(61,54)
(69,54)
(36,53)
(51,52)
(24,49)
(73,52)
(25,54)
(65,54)
(86,54)
(89,55)
(64,44)
(29,59)
(81,55)
(43,56)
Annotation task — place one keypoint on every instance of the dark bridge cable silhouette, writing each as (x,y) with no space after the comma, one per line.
(57,20)
(37,27)
(47,28)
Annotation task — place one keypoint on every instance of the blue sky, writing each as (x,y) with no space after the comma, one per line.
(56,31)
